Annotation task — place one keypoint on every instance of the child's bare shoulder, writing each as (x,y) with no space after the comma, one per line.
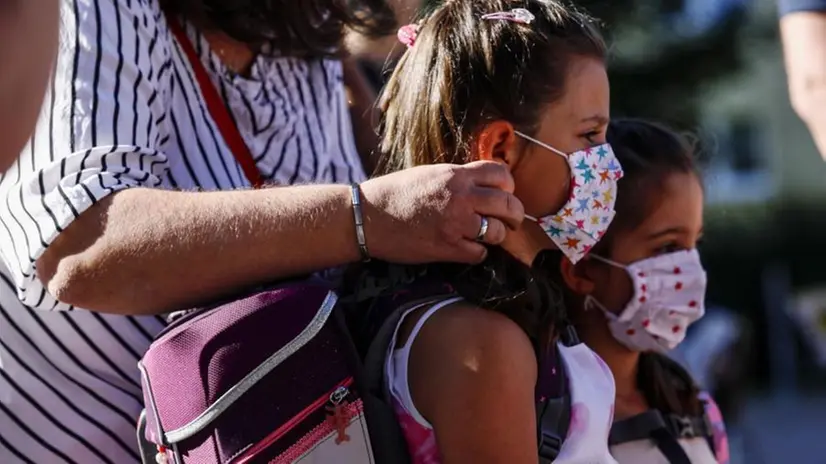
(463,336)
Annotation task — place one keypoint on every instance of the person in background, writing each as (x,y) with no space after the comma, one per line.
(28,39)
(803,33)
(632,299)
(132,198)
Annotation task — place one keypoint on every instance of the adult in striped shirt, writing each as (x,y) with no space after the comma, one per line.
(28,36)
(126,203)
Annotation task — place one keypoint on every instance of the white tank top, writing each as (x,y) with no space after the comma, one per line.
(590,382)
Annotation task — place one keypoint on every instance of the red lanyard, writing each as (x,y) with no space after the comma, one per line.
(217,108)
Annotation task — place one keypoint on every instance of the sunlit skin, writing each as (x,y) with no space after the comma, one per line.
(28,41)
(674,223)
(576,121)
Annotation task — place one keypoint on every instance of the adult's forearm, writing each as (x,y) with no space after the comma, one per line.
(145,251)
(804,44)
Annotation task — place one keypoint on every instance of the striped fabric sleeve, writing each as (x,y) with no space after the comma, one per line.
(100,130)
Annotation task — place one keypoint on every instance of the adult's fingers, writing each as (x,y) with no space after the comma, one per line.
(499,204)
(470,252)
(494,235)
(490,174)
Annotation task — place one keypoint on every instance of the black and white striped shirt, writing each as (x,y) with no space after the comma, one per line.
(124,110)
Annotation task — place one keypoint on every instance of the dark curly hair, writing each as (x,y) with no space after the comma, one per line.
(298,28)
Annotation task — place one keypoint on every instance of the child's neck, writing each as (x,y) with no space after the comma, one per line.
(624,365)
(522,245)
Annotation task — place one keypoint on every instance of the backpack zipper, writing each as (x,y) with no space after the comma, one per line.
(338,413)
(328,425)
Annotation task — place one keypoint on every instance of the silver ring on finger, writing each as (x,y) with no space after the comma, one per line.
(483,229)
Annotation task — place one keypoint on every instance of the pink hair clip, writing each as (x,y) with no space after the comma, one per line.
(516,15)
(407,34)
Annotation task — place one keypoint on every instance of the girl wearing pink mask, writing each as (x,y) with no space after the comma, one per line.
(638,291)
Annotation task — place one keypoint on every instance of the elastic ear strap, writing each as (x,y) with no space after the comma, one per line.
(591,301)
(607,261)
(541,144)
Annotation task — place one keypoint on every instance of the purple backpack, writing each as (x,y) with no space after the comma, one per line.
(276,377)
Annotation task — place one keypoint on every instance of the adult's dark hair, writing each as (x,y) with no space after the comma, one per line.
(298,28)
(649,153)
(462,72)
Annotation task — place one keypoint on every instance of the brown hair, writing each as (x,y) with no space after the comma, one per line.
(299,28)
(462,72)
(649,153)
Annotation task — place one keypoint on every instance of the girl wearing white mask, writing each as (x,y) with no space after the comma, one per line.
(637,293)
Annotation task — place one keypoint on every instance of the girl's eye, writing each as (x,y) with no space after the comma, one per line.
(669,248)
(591,136)
(595,136)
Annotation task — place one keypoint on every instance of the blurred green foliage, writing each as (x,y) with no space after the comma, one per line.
(657,68)
(659,63)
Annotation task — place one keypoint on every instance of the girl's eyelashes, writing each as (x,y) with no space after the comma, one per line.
(590,136)
(669,247)
(674,246)
(594,136)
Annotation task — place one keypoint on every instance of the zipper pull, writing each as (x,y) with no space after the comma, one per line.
(338,413)
(160,457)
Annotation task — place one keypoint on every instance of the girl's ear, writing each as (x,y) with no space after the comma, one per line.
(576,276)
(496,141)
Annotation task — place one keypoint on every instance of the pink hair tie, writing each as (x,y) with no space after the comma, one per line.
(516,15)
(407,34)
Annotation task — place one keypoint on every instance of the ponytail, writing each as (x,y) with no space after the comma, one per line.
(667,386)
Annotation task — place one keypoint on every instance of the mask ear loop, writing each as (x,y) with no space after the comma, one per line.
(590,301)
(541,144)
(608,261)
(545,146)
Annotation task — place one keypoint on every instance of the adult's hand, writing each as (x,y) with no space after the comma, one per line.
(434,213)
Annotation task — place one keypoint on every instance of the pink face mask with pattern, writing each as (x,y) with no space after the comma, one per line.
(669,294)
(583,220)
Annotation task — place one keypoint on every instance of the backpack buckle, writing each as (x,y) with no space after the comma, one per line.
(684,426)
(549,447)
(569,336)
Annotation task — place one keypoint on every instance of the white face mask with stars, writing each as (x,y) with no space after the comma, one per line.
(669,294)
(585,217)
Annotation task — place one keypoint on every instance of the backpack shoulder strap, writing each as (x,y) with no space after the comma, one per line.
(650,425)
(386,435)
(553,399)
(665,429)
(635,428)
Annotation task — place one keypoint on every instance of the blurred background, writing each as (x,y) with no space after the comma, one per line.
(714,68)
